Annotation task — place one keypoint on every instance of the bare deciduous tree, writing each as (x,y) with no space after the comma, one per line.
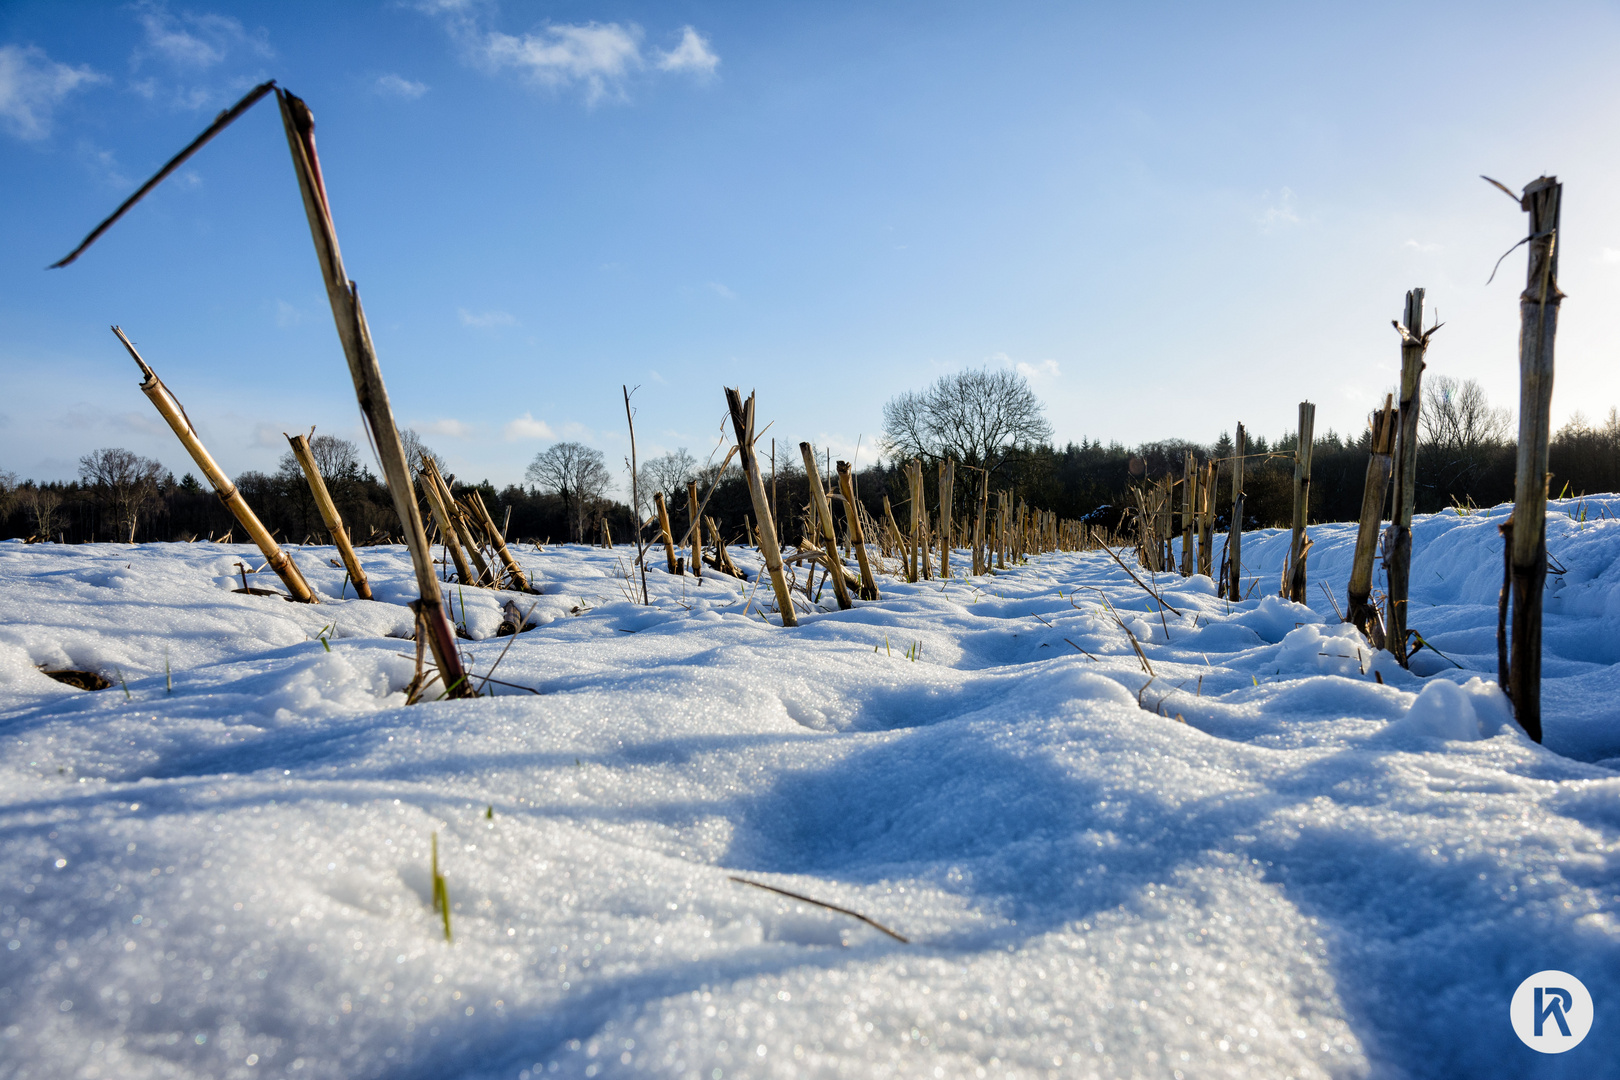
(415,448)
(667,473)
(576,473)
(125,481)
(1461,433)
(42,503)
(974,416)
(1457,416)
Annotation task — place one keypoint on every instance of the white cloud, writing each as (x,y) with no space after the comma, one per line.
(527,427)
(1046,369)
(287,315)
(194,41)
(599,56)
(399,86)
(692,54)
(32,85)
(721,291)
(450,429)
(1610,255)
(1281,211)
(103,163)
(1421,248)
(485,320)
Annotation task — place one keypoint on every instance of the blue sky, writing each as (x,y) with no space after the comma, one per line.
(1170,217)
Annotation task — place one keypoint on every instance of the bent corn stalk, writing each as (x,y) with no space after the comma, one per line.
(447,531)
(175,414)
(361,354)
(514,572)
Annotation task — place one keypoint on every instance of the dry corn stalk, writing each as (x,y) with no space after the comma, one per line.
(694,531)
(361,354)
(664,530)
(742,421)
(458,521)
(329,513)
(823,515)
(171,411)
(447,531)
(852,513)
(513,571)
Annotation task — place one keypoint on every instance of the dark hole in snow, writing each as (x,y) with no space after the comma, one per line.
(83,680)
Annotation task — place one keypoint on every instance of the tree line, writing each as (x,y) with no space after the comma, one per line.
(986,420)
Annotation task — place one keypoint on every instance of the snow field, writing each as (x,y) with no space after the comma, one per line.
(1307,874)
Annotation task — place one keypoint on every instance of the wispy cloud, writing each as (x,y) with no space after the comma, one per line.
(200,57)
(721,291)
(692,54)
(194,41)
(1280,210)
(485,320)
(450,429)
(527,427)
(399,86)
(1045,369)
(268,436)
(287,316)
(32,85)
(1421,248)
(1610,256)
(104,163)
(599,59)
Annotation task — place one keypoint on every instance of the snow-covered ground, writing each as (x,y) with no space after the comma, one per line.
(1261,862)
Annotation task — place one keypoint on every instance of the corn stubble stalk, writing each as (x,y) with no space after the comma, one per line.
(742,421)
(1299,546)
(694,531)
(447,530)
(1398,539)
(514,572)
(857,532)
(459,520)
(829,537)
(1189,501)
(981,539)
(1234,545)
(329,514)
(172,411)
(1525,537)
(369,389)
(665,531)
(1380,465)
(1206,519)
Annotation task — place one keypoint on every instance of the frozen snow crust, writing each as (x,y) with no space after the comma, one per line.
(1313,875)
